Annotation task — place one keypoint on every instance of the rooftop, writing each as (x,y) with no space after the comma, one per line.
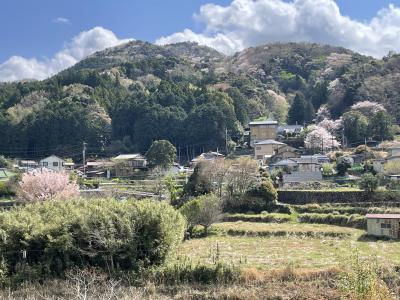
(285,162)
(129,156)
(383,216)
(269,142)
(267,122)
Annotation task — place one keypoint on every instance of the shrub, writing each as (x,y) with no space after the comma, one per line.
(343,164)
(368,182)
(265,190)
(203,210)
(103,233)
(45,186)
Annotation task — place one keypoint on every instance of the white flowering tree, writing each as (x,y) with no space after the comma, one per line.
(368,107)
(46,185)
(332,126)
(320,138)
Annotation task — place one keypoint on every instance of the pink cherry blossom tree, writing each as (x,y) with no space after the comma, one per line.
(319,138)
(46,185)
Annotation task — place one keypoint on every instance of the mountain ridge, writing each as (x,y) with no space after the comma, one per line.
(176,87)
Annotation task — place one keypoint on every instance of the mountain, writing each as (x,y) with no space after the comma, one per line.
(123,98)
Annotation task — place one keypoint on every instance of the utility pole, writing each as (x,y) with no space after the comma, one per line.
(226,140)
(84,159)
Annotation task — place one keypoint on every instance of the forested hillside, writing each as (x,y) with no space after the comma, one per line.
(123,98)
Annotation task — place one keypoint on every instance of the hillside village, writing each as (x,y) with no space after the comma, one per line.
(155,169)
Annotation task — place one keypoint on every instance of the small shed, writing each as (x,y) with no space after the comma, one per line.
(386,225)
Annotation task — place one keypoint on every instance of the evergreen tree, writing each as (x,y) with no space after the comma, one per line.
(296,111)
(381,126)
(309,112)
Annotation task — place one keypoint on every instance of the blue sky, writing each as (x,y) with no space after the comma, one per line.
(38,30)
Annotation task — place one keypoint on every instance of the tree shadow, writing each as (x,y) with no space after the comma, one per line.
(372,238)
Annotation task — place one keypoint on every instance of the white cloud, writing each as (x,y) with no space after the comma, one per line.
(82,45)
(246,23)
(61,20)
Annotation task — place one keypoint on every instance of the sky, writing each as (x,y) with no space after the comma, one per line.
(42,37)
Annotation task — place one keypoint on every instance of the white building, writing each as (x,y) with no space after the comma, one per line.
(53,163)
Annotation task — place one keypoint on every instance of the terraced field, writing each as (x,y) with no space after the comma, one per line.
(276,246)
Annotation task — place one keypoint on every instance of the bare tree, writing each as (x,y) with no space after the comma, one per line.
(242,174)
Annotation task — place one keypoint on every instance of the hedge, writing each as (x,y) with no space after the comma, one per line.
(259,218)
(355,221)
(48,238)
(307,197)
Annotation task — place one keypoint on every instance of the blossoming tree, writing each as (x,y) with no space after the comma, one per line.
(319,138)
(46,185)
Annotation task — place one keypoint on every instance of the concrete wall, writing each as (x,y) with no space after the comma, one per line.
(383,227)
(260,133)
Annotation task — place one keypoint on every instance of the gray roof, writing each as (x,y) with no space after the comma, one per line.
(285,162)
(267,122)
(269,142)
(129,156)
(383,216)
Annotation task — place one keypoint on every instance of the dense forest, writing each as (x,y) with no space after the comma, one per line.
(121,99)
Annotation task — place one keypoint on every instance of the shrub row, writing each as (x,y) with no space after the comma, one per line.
(307,197)
(260,218)
(48,238)
(335,209)
(284,233)
(355,221)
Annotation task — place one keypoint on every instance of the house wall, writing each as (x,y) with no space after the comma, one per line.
(302,177)
(395,152)
(260,133)
(262,150)
(383,227)
(312,167)
(53,163)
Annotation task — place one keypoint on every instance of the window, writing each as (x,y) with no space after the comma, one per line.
(258,148)
(45,164)
(55,164)
(387,226)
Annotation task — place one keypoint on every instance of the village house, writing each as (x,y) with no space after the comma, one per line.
(285,165)
(379,164)
(100,168)
(53,163)
(208,156)
(272,151)
(126,165)
(309,168)
(262,130)
(386,225)
(290,130)
(26,165)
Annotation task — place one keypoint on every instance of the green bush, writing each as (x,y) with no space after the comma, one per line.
(99,233)
(261,197)
(368,182)
(203,210)
(6,189)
